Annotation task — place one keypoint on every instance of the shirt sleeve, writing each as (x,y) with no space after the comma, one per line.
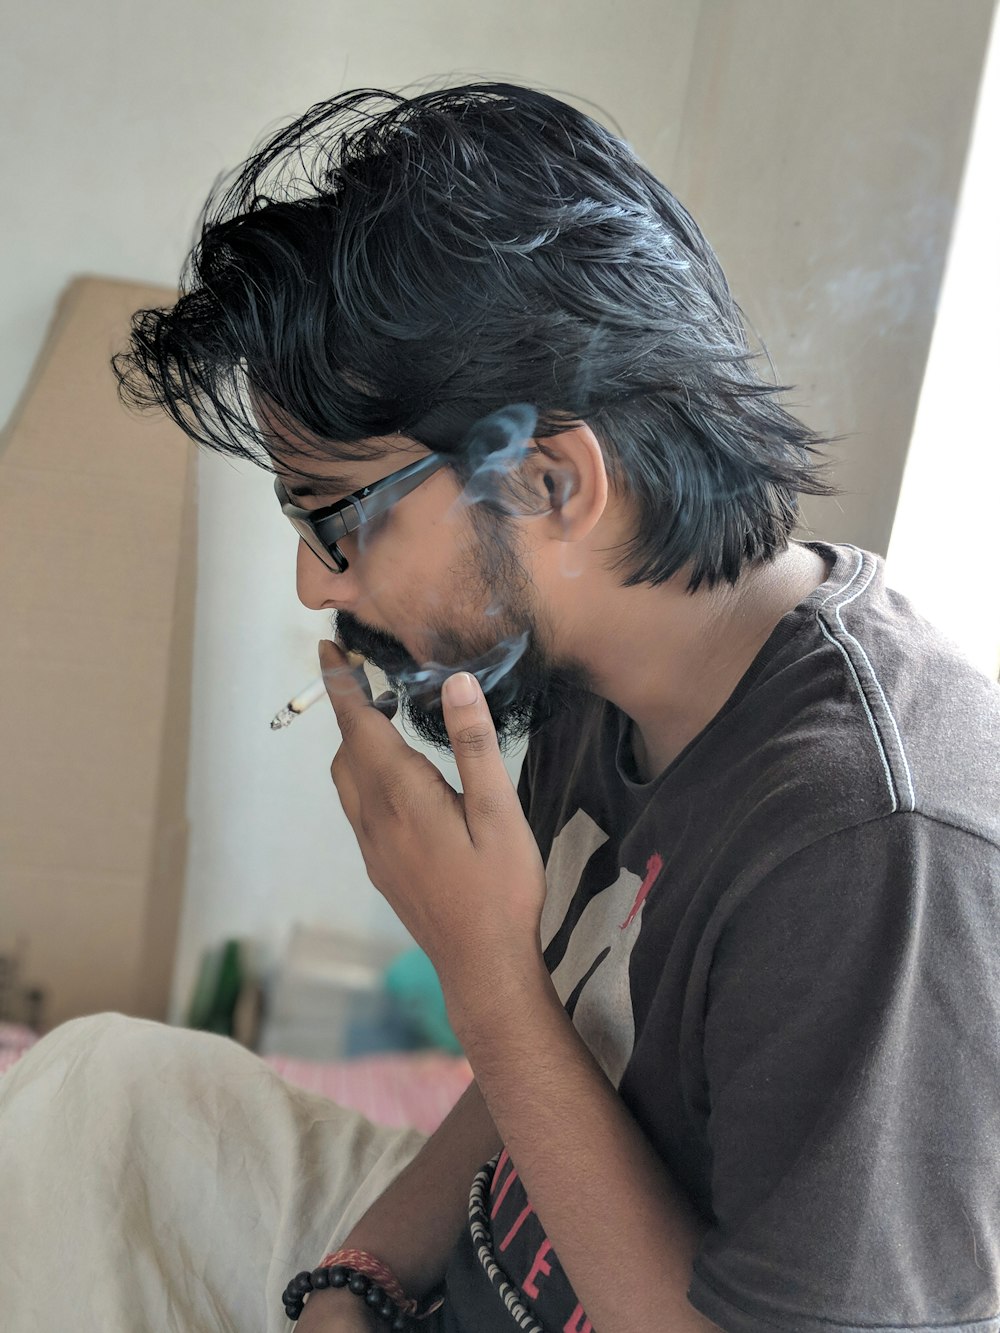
(852,1061)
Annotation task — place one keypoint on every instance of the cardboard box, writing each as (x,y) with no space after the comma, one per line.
(97,572)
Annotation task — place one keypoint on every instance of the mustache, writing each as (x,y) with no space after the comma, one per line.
(381,649)
(426,679)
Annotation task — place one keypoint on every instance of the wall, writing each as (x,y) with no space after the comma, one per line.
(822,150)
(953,465)
(131,110)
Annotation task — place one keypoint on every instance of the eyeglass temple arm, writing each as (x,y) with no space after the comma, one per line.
(410,477)
(337,525)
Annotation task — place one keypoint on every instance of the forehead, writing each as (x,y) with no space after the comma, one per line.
(309,465)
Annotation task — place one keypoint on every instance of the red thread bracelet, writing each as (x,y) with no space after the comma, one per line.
(363,1262)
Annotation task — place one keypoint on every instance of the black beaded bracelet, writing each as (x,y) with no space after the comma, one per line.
(378,1301)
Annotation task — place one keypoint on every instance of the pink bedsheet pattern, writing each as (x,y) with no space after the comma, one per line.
(416,1088)
(14,1041)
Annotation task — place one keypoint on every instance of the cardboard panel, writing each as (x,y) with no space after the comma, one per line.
(97,550)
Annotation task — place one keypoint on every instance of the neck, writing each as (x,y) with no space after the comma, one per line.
(669,659)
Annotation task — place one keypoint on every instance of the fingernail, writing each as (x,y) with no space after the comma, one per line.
(461,689)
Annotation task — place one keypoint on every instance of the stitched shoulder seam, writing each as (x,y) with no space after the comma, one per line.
(871,695)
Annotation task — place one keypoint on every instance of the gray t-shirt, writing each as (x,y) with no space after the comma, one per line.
(785,952)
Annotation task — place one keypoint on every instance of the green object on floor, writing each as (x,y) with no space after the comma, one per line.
(220,980)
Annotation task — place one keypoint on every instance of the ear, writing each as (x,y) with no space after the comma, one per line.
(568,474)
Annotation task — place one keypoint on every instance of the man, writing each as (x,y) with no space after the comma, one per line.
(727,973)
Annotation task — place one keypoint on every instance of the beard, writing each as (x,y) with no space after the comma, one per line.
(524,688)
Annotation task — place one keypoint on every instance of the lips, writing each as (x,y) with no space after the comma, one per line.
(354,660)
(382,650)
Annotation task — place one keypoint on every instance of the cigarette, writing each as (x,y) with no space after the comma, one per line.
(310,694)
(314,691)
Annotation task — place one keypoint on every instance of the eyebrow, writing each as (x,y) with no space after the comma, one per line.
(324,486)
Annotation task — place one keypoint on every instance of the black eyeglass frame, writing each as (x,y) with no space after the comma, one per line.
(321,529)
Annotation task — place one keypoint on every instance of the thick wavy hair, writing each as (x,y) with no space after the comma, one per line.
(390,264)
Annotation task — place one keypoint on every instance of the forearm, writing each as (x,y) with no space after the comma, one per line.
(415,1223)
(625,1236)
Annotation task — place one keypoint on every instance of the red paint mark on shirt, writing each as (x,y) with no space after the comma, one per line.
(540,1265)
(653,867)
(578,1322)
(519,1222)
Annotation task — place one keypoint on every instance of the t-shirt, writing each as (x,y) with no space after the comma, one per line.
(784,951)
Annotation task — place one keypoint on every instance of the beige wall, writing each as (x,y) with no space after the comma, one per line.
(818,141)
(822,147)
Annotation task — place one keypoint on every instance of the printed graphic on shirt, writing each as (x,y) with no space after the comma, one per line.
(592,979)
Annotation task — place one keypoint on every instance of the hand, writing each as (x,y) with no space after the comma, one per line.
(462,871)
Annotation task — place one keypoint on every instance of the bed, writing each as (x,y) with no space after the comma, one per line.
(411,1088)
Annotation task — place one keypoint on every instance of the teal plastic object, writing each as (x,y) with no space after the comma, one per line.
(413,985)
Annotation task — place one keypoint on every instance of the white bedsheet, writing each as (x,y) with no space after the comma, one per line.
(155,1179)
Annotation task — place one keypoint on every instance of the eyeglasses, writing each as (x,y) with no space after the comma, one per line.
(321,529)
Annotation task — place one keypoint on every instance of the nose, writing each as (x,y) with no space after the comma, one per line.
(320,588)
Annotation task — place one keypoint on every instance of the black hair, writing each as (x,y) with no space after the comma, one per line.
(412,265)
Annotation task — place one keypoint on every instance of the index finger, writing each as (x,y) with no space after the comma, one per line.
(350,694)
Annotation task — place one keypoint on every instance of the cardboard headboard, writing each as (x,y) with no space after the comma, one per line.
(97,572)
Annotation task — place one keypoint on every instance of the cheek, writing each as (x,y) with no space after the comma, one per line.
(440,517)
(422,571)
(428,554)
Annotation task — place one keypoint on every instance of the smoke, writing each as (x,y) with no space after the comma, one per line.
(419,684)
(495,478)
(495,448)
(489,668)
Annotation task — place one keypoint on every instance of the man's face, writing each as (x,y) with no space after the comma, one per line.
(437,584)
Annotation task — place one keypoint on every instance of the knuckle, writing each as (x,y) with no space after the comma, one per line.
(368,829)
(400,787)
(492,806)
(475,739)
(395,795)
(348,725)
